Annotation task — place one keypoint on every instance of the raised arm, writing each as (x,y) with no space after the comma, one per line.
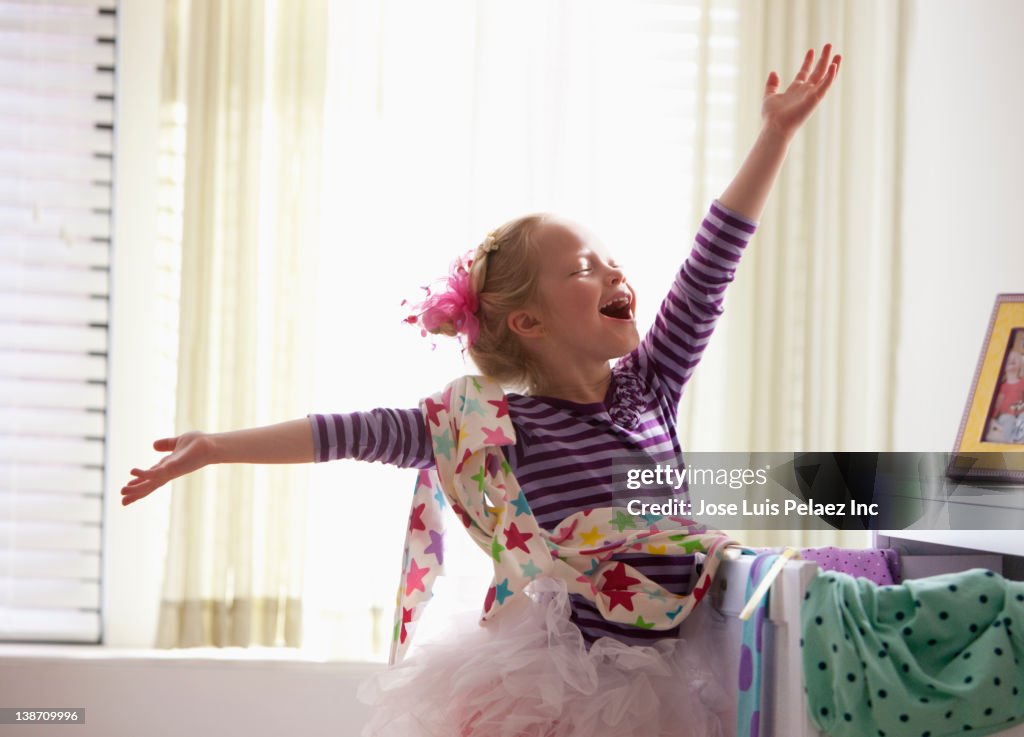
(672,348)
(670,351)
(782,114)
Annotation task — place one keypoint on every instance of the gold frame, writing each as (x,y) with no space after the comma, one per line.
(972,456)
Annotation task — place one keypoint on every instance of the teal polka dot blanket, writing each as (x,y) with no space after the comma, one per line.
(931,657)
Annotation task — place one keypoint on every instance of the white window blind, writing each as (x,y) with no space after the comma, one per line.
(56,144)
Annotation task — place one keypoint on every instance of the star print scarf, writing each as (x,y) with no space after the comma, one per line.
(469,423)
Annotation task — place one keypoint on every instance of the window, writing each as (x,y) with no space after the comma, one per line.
(56,145)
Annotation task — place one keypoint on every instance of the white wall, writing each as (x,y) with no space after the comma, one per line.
(962,165)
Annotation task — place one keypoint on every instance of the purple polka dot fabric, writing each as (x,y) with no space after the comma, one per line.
(879,565)
(748,706)
(746,668)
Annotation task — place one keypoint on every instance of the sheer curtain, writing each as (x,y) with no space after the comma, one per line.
(243,91)
(810,327)
(440,121)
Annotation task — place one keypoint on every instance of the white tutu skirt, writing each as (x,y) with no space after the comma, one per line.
(528,674)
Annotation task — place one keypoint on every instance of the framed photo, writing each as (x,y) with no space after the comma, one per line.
(990,442)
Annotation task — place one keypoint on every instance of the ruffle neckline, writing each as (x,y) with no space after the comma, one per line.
(623,402)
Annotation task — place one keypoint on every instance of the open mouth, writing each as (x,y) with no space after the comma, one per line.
(620,308)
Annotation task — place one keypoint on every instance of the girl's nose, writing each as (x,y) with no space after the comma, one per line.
(615,275)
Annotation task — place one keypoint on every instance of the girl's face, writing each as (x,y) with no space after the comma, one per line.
(1013,367)
(585,306)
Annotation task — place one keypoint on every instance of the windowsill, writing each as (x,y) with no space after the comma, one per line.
(229,655)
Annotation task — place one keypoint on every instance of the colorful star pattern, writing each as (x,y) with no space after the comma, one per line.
(496,550)
(502,592)
(443,444)
(591,538)
(621,520)
(655,593)
(515,539)
(414,579)
(618,578)
(432,410)
(436,547)
(416,518)
(501,405)
(530,570)
(497,436)
(522,506)
(620,598)
(476,479)
(641,623)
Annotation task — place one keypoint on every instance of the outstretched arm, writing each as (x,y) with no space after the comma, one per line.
(394,436)
(782,114)
(285,442)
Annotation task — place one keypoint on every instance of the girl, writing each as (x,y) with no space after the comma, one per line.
(1008,406)
(542,305)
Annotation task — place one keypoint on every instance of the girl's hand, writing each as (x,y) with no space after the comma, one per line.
(188,453)
(786,111)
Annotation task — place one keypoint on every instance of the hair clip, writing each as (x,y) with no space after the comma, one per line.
(490,242)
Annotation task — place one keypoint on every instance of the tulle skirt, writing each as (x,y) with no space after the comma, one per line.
(528,674)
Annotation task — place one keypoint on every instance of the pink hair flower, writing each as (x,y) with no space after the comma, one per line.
(451,307)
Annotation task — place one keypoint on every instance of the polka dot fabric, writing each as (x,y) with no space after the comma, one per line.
(931,657)
(748,707)
(880,565)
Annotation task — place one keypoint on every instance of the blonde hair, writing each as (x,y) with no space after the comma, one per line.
(504,279)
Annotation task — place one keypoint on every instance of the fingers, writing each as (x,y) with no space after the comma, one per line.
(833,70)
(149,473)
(820,71)
(805,68)
(822,67)
(139,488)
(146,481)
(165,444)
(772,84)
(132,493)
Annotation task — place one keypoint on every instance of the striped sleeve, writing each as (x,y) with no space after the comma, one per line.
(673,346)
(394,436)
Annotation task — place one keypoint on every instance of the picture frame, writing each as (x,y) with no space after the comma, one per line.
(990,440)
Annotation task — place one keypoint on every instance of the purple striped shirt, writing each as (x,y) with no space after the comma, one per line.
(569,457)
